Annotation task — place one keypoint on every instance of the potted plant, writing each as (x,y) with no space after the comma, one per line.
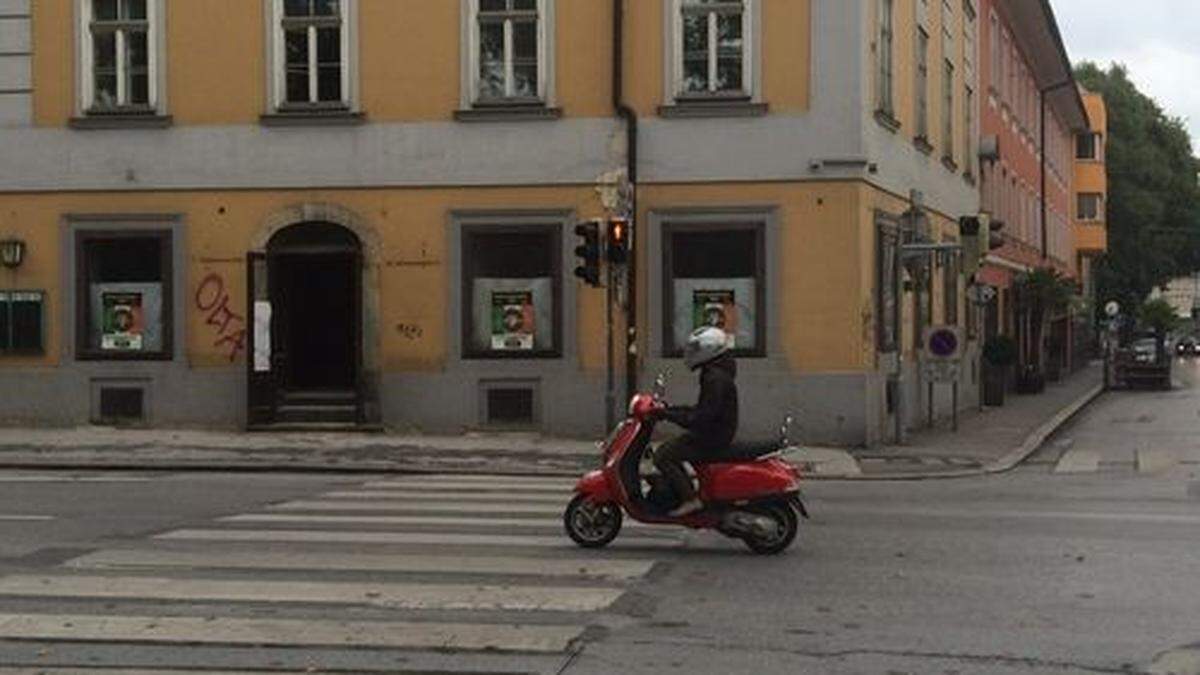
(999,355)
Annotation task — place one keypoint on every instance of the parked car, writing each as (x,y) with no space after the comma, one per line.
(1187,347)
(1144,359)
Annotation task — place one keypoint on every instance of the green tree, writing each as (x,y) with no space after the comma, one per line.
(1153,207)
(1158,315)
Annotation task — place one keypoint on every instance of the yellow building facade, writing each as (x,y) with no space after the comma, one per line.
(361,212)
(1090,223)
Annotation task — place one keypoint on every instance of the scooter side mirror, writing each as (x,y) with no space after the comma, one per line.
(660,385)
(787,431)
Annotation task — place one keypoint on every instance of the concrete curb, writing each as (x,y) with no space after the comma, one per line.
(1008,462)
(831,465)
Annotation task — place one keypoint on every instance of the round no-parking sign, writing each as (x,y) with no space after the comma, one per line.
(943,343)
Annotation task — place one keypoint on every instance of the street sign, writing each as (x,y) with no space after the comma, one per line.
(1112,308)
(981,294)
(942,343)
(941,371)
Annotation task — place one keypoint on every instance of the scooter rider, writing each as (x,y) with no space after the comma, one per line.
(711,424)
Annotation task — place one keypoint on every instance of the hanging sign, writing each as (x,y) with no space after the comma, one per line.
(123,324)
(512,320)
(716,308)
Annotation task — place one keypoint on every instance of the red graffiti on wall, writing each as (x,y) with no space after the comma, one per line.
(230,326)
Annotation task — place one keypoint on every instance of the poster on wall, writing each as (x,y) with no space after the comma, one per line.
(717,309)
(123,322)
(726,303)
(513,323)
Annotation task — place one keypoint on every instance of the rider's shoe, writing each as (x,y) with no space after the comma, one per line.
(687,508)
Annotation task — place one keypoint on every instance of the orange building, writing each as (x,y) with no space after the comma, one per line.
(1089,222)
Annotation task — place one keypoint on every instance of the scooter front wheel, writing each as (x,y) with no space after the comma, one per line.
(778,537)
(591,524)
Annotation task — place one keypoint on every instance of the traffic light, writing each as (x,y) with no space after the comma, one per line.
(968,237)
(588,252)
(617,246)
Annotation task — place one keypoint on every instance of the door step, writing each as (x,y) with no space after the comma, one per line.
(314,427)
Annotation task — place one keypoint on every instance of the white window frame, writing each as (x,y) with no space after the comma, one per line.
(277,61)
(1098,216)
(85,52)
(751,54)
(470,62)
(921,95)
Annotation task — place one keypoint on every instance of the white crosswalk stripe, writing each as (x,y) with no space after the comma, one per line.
(491,548)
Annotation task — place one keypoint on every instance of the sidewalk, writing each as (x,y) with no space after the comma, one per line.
(991,441)
(995,440)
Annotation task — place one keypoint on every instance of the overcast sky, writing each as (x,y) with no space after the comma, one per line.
(1156,39)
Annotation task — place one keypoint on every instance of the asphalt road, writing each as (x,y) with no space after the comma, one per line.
(1029,572)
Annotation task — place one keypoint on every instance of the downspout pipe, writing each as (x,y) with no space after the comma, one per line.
(627,114)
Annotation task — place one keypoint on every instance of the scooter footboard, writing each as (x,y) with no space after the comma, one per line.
(594,484)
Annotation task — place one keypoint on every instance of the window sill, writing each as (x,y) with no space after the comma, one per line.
(887,120)
(950,164)
(121,121)
(922,143)
(508,113)
(709,108)
(511,356)
(312,118)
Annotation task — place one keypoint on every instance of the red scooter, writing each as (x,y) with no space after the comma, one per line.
(749,492)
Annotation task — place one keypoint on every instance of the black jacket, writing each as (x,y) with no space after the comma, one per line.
(713,420)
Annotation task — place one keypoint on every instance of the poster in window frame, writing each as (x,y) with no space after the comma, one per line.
(716,308)
(513,324)
(123,323)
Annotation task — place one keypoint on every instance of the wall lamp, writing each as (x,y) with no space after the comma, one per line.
(12,253)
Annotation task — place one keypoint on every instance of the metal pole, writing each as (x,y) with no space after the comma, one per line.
(610,412)
(954,406)
(929,403)
(897,326)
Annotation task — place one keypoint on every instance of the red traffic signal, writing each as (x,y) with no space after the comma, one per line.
(617,246)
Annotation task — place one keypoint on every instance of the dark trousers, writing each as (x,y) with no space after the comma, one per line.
(669,458)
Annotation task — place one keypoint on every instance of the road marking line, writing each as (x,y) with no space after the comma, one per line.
(289,632)
(467,597)
(417,507)
(1156,518)
(591,568)
(559,488)
(403,520)
(23,518)
(38,478)
(427,538)
(561,498)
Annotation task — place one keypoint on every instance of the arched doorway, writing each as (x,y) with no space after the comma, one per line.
(307,359)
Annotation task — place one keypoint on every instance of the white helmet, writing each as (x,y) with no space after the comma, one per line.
(704,344)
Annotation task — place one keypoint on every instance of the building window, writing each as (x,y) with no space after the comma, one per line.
(119,56)
(22,322)
(1087,146)
(712,51)
(1090,206)
(884,58)
(922,85)
(714,275)
(513,291)
(887,244)
(312,54)
(948,111)
(124,294)
(508,53)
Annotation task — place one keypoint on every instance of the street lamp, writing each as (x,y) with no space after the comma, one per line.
(12,252)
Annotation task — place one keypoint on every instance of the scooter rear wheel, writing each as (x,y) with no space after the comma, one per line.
(787,524)
(591,524)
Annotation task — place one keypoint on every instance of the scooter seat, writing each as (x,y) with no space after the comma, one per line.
(742,452)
